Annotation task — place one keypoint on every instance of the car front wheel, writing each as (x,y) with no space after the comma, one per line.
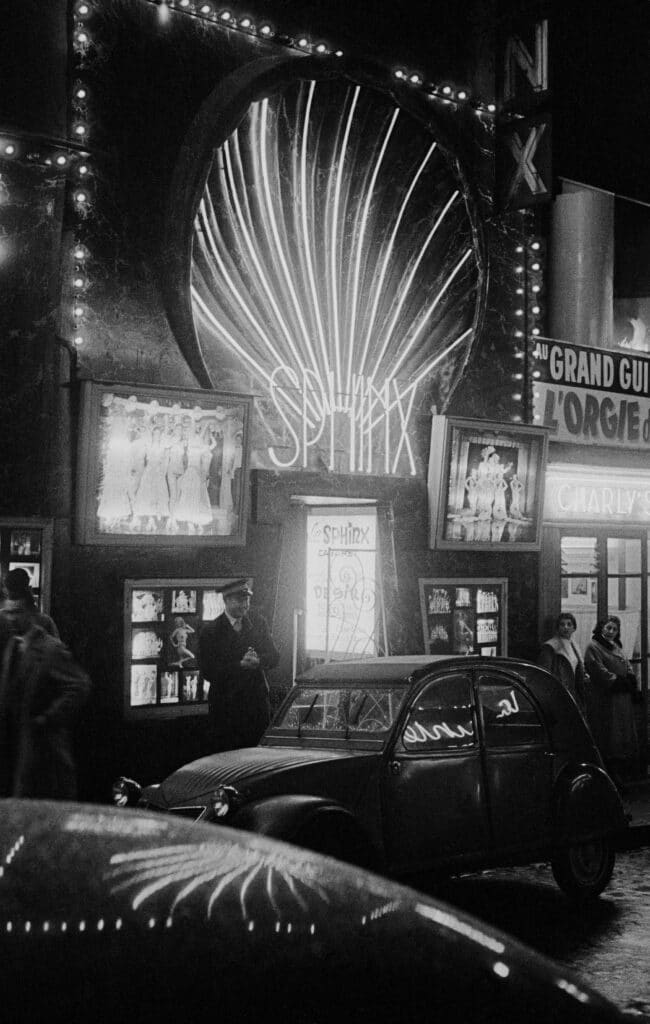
(583,870)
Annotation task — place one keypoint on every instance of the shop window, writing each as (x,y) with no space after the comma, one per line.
(509,718)
(442,718)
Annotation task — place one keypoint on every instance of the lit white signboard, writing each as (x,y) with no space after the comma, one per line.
(596,494)
(341,595)
(592,396)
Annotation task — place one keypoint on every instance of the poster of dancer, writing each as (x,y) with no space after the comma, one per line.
(158,464)
(486,484)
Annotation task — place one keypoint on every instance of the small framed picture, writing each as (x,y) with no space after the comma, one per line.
(183,601)
(191,691)
(143,685)
(147,606)
(579,587)
(169,688)
(25,544)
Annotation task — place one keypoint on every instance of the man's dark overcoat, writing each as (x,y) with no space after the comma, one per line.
(41,689)
(238,698)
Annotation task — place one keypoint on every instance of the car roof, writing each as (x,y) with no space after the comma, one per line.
(397,668)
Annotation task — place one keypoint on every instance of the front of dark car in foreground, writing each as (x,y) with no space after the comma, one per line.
(119,915)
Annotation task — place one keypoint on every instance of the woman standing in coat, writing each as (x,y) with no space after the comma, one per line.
(561,658)
(611,692)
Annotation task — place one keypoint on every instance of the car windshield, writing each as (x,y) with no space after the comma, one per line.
(349,711)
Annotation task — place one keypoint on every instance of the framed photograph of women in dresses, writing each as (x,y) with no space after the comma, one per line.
(162,466)
(162,622)
(486,484)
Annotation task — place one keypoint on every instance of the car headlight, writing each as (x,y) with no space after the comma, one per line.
(125,792)
(224,800)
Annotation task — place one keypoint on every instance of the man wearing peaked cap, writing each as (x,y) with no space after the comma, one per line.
(234,652)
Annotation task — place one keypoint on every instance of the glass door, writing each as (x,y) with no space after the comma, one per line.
(604,575)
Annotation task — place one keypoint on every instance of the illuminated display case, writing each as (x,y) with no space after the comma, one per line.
(27,544)
(162,466)
(486,484)
(162,621)
(464,616)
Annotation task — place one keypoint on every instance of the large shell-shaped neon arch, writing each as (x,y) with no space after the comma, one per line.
(334,270)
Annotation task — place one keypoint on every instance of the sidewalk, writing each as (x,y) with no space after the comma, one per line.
(637,804)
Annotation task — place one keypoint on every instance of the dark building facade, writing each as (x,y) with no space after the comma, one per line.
(275,287)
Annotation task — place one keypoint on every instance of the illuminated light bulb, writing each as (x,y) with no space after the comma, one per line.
(184,3)
(491,107)
(519,270)
(79,253)
(519,291)
(78,312)
(80,197)
(537,374)
(80,129)
(303,42)
(10,149)
(245,23)
(82,169)
(83,10)
(78,282)
(78,341)
(61,160)
(535,331)
(205,9)
(82,38)
(447,90)
(519,312)
(535,246)
(321,48)
(537,416)
(519,355)
(338,53)
(519,334)
(537,394)
(536,310)
(399,73)
(462,95)
(415,80)
(266,30)
(536,288)
(519,248)
(225,15)
(517,376)
(535,266)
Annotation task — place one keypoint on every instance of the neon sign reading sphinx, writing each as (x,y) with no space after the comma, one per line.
(370,423)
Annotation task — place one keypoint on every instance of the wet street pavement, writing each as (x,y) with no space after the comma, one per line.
(607,943)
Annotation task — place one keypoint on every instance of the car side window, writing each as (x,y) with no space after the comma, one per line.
(441,718)
(509,717)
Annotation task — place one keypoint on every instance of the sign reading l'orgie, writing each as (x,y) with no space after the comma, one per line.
(592,396)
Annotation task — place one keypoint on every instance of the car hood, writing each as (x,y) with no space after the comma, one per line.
(263,769)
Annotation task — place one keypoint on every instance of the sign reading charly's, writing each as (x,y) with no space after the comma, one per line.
(592,396)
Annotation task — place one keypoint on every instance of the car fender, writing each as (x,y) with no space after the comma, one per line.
(315,822)
(587,805)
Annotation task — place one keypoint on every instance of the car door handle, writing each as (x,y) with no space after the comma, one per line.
(394,767)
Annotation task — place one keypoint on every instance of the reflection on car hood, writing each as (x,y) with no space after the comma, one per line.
(232,767)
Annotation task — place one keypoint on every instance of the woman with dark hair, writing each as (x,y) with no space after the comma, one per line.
(561,658)
(612,689)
